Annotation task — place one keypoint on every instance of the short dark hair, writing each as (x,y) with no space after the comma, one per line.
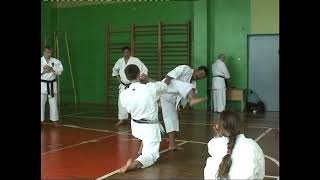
(132,72)
(205,69)
(126,47)
(47,47)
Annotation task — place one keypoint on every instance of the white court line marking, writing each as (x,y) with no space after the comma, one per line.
(181,122)
(91,117)
(130,139)
(74,126)
(197,142)
(267,176)
(83,142)
(211,124)
(180,144)
(273,160)
(100,130)
(71,114)
(51,146)
(263,134)
(116,171)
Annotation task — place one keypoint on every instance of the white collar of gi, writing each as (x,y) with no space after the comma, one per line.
(128,59)
(134,84)
(46,60)
(189,80)
(220,60)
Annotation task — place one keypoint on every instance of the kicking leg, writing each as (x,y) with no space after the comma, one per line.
(192,100)
(186,90)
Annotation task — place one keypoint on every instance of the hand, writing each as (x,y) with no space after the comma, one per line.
(144,78)
(46,69)
(179,108)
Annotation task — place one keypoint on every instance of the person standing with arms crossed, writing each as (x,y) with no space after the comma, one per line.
(50,69)
(118,72)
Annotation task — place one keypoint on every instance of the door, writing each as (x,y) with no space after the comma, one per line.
(264,69)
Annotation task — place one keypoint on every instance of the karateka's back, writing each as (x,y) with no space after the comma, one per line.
(140,100)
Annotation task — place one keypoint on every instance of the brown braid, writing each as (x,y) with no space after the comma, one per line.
(230,127)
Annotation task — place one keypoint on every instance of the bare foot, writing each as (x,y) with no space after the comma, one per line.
(125,167)
(197,101)
(56,123)
(120,122)
(175,148)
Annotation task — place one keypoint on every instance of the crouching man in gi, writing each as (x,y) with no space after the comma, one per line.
(140,100)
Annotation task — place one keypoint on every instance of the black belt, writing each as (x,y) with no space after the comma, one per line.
(126,85)
(51,84)
(219,76)
(225,81)
(145,121)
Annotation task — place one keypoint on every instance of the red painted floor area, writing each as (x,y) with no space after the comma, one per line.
(56,137)
(89,160)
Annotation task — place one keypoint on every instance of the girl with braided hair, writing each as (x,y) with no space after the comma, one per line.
(233,156)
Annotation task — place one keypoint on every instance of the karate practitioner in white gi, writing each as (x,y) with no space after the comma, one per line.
(140,100)
(220,74)
(118,71)
(170,102)
(50,69)
(233,156)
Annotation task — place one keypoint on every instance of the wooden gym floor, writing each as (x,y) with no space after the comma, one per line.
(88,145)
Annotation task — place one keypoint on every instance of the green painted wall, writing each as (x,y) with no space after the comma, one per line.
(200,44)
(229,26)
(48,20)
(264,16)
(86,28)
(218,26)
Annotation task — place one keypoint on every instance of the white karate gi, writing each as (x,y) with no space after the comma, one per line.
(247,158)
(118,69)
(219,86)
(170,101)
(57,68)
(140,100)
